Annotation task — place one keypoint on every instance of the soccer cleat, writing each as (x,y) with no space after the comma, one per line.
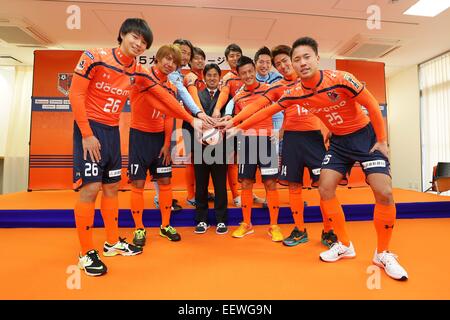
(201,227)
(121,247)
(175,206)
(328,238)
(337,252)
(243,230)
(388,261)
(296,238)
(191,202)
(221,228)
(170,233)
(275,233)
(237,202)
(258,200)
(91,264)
(139,238)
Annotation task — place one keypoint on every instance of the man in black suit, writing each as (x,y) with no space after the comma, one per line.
(212,161)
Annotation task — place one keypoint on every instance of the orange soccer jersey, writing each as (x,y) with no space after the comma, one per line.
(296,118)
(101,97)
(230,89)
(244,98)
(332,100)
(147,117)
(336,100)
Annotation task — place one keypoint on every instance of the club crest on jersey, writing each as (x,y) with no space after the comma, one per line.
(80,66)
(333,96)
(132,80)
(64,82)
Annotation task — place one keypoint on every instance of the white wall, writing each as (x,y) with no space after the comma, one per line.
(7,76)
(404,128)
(15,127)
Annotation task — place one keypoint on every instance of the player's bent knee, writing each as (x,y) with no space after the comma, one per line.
(163,181)
(326,192)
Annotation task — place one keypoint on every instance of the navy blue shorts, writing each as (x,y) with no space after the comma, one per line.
(109,169)
(254,152)
(143,156)
(301,149)
(345,150)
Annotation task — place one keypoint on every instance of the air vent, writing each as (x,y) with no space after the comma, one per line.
(365,47)
(16,32)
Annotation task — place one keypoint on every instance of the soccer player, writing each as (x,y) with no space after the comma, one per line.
(255,149)
(194,107)
(98,93)
(304,145)
(100,87)
(149,146)
(335,97)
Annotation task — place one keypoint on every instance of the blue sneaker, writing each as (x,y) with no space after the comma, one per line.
(296,238)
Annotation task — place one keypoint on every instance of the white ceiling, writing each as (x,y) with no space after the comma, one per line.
(212,24)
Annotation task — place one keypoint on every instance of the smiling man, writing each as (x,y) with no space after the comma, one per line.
(97,156)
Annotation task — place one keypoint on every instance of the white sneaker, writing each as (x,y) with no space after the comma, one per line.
(388,261)
(237,202)
(121,247)
(258,200)
(337,252)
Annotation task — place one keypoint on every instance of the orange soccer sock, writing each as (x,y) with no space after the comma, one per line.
(84,221)
(326,221)
(165,203)
(273,202)
(246,203)
(335,214)
(190,180)
(297,207)
(110,214)
(232,174)
(384,219)
(137,206)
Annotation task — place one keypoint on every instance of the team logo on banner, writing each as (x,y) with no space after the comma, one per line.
(333,96)
(64,82)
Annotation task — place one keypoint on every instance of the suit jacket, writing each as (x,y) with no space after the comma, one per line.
(206,101)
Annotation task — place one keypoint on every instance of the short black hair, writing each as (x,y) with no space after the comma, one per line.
(138,26)
(281,49)
(185,42)
(305,41)
(232,47)
(210,66)
(198,51)
(263,50)
(244,60)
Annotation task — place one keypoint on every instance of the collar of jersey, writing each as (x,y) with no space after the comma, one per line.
(313,81)
(158,74)
(121,58)
(253,87)
(291,77)
(198,73)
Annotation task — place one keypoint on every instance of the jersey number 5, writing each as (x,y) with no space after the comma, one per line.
(112,105)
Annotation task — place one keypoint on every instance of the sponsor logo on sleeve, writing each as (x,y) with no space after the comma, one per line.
(90,55)
(351,80)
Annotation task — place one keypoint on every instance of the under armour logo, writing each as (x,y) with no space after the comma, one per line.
(388,226)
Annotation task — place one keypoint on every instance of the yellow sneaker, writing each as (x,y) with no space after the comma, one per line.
(243,230)
(275,233)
